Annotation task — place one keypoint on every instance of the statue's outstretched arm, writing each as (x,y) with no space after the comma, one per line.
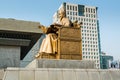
(43,28)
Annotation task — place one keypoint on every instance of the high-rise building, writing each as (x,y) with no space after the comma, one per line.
(90,29)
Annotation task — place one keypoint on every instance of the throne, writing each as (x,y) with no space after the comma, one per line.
(69,44)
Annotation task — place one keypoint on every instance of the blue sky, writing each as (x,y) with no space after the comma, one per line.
(43,10)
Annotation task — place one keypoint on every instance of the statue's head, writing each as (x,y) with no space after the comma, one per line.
(62,13)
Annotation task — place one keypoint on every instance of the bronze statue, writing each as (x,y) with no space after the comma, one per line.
(49,43)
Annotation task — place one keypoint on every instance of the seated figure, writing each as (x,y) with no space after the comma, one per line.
(49,43)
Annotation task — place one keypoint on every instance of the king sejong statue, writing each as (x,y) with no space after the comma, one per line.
(49,43)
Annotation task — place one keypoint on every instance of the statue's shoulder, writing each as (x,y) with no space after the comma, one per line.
(66,19)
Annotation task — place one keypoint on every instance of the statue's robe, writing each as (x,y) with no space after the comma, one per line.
(49,43)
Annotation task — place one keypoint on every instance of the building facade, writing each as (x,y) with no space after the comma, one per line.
(17,37)
(90,29)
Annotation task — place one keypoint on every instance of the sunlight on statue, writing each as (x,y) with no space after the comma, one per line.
(49,43)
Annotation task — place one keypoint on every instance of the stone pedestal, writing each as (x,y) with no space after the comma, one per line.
(53,63)
(60,74)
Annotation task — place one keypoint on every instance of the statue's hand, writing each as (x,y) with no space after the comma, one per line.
(43,28)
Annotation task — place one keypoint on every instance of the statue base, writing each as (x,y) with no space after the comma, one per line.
(62,63)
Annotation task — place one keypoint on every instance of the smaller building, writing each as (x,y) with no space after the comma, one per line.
(17,37)
(115,64)
(106,61)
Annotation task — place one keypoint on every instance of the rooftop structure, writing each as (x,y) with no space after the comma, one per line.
(17,37)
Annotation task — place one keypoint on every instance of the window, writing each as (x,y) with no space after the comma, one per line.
(97,58)
(89,20)
(94,57)
(76,13)
(73,13)
(98,65)
(81,19)
(91,53)
(89,57)
(83,45)
(88,46)
(68,12)
(75,8)
(68,17)
(97,61)
(73,18)
(88,49)
(96,49)
(86,15)
(94,16)
(67,7)
(93,10)
(89,10)
(86,10)
(96,46)
(70,7)
(81,10)
(83,52)
(83,41)
(84,19)
(89,15)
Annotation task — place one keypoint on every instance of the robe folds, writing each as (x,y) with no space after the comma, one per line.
(49,44)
